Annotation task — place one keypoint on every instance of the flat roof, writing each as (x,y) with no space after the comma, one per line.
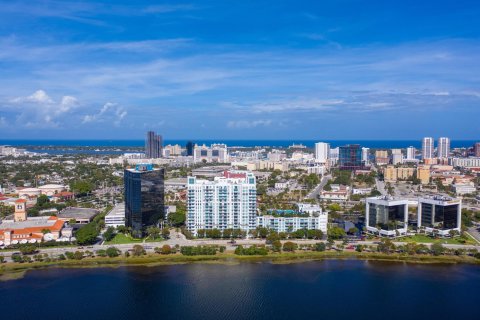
(82,213)
(32,222)
(118,210)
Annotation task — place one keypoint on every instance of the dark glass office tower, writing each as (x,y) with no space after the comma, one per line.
(350,157)
(144,197)
(190,145)
(153,145)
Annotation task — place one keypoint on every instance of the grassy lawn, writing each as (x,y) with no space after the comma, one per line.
(421,238)
(120,238)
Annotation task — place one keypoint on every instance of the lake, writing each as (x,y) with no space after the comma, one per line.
(310,290)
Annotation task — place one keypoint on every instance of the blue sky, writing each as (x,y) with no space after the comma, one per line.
(240,69)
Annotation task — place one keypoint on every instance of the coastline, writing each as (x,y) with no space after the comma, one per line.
(13,271)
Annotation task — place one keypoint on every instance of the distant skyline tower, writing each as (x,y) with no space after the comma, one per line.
(443,150)
(190,146)
(153,145)
(366,155)
(411,153)
(427,148)
(476,149)
(322,151)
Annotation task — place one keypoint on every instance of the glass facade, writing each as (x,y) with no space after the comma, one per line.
(350,157)
(439,216)
(144,199)
(386,217)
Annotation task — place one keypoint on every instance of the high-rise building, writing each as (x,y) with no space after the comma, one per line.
(333,155)
(350,157)
(144,197)
(153,145)
(443,150)
(190,145)
(381,157)
(386,216)
(439,214)
(322,151)
(214,153)
(427,148)
(365,155)
(476,149)
(228,202)
(411,153)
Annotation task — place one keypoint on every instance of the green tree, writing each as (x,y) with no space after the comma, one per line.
(28,249)
(138,250)
(165,233)
(336,233)
(276,246)
(320,246)
(289,246)
(437,249)
(87,234)
(154,232)
(386,246)
(109,234)
(112,252)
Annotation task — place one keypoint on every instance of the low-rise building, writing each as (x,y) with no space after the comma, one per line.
(312,218)
(338,193)
(116,217)
(461,189)
(80,215)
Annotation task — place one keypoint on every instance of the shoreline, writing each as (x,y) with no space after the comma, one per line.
(14,271)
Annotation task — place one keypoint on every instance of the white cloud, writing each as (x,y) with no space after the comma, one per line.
(40,110)
(248,123)
(3,122)
(38,96)
(108,112)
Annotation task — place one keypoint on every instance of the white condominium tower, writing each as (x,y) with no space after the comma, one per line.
(443,150)
(411,153)
(322,151)
(427,148)
(366,155)
(228,202)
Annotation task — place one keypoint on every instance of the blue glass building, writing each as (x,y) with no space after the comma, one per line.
(144,197)
(350,157)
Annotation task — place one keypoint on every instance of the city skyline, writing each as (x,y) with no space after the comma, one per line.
(296,70)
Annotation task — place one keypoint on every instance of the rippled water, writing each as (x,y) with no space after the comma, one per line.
(311,290)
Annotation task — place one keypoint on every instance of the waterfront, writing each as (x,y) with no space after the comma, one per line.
(318,290)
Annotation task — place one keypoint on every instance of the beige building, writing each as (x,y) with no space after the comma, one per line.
(381,157)
(423,174)
(393,174)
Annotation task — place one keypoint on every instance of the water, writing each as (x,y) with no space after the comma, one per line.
(312,290)
(245,143)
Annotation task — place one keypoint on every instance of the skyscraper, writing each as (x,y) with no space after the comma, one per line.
(427,148)
(366,155)
(228,202)
(350,157)
(411,153)
(144,197)
(153,145)
(322,151)
(476,149)
(443,150)
(190,145)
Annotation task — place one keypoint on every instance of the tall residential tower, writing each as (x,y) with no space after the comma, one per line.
(153,145)
(427,148)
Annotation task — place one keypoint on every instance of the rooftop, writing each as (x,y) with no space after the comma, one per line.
(33,222)
(118,210)
(82,213)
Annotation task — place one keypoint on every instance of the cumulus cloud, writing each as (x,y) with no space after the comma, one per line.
(40,110)
(108,112)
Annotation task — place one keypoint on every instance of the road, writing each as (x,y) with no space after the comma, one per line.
(315,192)
(179,239)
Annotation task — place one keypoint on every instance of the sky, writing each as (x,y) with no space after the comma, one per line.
(343,69)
